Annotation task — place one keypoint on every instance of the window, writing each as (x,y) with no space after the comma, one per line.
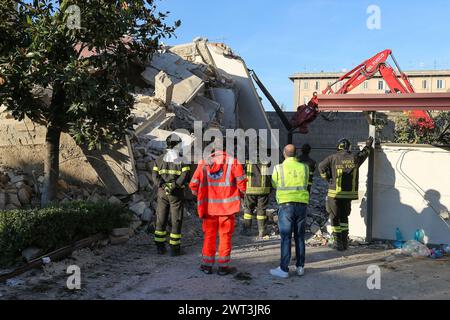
(366,85)
(306,85)
(317,86)
(380,85)
(305,100)
(440,84)
(424,84)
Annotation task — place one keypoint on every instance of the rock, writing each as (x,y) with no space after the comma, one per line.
(4,178)
(63,185)
(2,200)
(141,165)
(163,88)
(41,179)
(143,181)
(31,253)
(115,200)
(103,243)
(136,198)
(135,225)
(95,198)
(119,240)
(24,196)
(17,178)
(121,232)
(147,215)
(13,199)
(138,208)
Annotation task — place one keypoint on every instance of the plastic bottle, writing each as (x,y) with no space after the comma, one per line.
(399,239)
(419,235)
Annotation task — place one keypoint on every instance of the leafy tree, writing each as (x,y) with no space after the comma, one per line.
(43,47)
(407,133)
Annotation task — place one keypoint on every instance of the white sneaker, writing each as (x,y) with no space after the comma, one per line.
(300,271)
(279,273)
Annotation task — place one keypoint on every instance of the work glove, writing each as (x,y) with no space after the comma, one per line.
(168,188)
(369,142)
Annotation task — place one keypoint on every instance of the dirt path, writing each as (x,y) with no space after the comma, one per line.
(134,271)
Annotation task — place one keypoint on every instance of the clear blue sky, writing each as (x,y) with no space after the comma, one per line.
(280,38)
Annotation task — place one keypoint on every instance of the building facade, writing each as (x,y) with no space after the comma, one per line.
(426,81)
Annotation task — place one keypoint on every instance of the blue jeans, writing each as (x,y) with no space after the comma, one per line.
(292,219)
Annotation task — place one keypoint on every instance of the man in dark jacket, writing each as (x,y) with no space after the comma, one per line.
(341,170)
(311,163)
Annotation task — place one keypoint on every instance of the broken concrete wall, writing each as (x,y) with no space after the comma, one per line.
(411,192)
(22,146)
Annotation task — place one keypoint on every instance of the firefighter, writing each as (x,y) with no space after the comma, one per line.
(341,170)
(311,163)
(257,195)
(219,183)
(170,175)
(291,181)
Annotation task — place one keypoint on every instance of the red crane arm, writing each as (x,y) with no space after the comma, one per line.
(368,69)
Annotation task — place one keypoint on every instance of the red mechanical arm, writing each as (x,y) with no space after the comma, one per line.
(368,69)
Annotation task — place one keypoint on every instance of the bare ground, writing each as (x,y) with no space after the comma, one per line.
(134,271)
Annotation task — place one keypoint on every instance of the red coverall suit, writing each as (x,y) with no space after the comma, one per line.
(219,184)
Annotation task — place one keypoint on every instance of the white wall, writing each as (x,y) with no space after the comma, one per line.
(412,191)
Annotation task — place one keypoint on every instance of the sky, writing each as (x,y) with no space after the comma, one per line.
(280,38)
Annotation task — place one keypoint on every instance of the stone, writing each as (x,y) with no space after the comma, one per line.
(163,88)
(13,199)
(4,178)
(141,165)
(95,198)
(147,215)
(63,185)
(138,208)
(31,253)
(135,225)
(121,232)
(136,197)
(119,240)
(17,178)
(143,181)
(2,200)
(24,196)
(115,200)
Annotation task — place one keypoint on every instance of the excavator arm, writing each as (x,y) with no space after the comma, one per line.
(366,70)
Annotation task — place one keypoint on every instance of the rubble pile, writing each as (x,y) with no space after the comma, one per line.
(185,83)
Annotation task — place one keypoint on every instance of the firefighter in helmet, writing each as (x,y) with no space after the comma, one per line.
(341,170)
(170,175)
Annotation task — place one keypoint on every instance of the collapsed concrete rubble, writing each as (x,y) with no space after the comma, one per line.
(199,81)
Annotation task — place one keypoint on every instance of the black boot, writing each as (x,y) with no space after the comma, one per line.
(345,240)
(246,231)
(340,242)
(224,271)
(175,251)
(161,248)
(206,269)
(262,228)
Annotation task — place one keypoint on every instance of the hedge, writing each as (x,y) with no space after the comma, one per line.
(56,226)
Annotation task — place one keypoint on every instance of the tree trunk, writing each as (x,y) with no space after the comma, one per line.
(51,165)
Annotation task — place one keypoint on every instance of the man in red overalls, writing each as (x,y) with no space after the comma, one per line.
(219,184)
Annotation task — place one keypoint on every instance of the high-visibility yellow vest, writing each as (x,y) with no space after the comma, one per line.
(258,179)
(291,181)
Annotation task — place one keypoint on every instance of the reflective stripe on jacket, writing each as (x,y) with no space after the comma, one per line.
(258,179)
(218,183)
(342,171)
(291,181)
(170,170)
